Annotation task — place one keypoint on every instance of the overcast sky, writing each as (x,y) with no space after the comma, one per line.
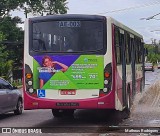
(128,12)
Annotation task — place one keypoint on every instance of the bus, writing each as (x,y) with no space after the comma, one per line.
(81,62)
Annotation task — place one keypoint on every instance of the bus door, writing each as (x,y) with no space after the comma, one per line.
(123,55)
(133,69)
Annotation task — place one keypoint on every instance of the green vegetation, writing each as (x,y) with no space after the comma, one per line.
(153,53)
(12,36)
(5,63)
(40,7)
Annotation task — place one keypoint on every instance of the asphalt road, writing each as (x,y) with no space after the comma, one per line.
(90,121)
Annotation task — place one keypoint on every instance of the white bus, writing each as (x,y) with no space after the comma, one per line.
(81,62)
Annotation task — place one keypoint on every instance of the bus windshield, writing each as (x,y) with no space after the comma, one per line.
(67,36)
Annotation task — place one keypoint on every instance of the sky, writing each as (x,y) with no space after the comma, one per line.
(132,13)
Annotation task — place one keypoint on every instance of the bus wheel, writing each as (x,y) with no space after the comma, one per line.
(57,113)
(69,112)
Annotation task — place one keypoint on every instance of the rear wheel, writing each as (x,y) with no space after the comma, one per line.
(69,113)
(59,113)
(19,107)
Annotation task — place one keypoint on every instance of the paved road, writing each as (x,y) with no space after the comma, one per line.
(151,77)
(84,120)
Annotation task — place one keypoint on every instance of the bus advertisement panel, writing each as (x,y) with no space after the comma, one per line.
(68,72)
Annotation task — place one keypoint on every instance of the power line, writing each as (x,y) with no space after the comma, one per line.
(151,17)
(130,8)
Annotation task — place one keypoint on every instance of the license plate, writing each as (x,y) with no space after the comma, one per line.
(67,104)
(68,92)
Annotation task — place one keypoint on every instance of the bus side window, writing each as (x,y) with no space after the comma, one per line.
(117,46)
(128,50)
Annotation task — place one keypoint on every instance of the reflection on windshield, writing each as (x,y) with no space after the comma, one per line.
(67,37)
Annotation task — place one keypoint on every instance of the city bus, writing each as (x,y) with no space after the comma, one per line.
(81,62)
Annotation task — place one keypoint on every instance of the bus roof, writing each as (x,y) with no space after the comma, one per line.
(68,16)
(124,27)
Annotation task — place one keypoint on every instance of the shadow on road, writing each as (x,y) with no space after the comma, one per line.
(85,117)
(6,116)
(83,121)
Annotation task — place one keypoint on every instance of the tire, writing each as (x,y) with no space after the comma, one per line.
(59,113)
(69,113)
(19,107)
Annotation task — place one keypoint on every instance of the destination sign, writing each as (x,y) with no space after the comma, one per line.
(69,24)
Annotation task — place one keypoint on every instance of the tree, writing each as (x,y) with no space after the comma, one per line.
(7,5)
(5,65)
(13,39)
(153,54)
(41,7)
(46,7)
(11,36)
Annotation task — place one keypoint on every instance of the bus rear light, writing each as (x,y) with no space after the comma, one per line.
(28,76)
(31,90)
(107,74)
(29,82)
(101,94)
(34,94)
(105,90)
(105,82)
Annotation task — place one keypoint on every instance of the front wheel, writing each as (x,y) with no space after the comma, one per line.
(19,107)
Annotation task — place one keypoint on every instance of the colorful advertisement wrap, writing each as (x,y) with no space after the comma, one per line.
(68,72)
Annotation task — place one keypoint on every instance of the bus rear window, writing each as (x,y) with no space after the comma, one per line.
(68,36)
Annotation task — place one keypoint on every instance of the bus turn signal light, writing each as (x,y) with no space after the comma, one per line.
(28,76)
(107,74)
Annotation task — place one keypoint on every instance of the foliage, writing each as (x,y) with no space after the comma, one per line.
(13,39)
(11,36)
(153,53)
(5,65)
(7,5)
(34,6)
(46,7)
